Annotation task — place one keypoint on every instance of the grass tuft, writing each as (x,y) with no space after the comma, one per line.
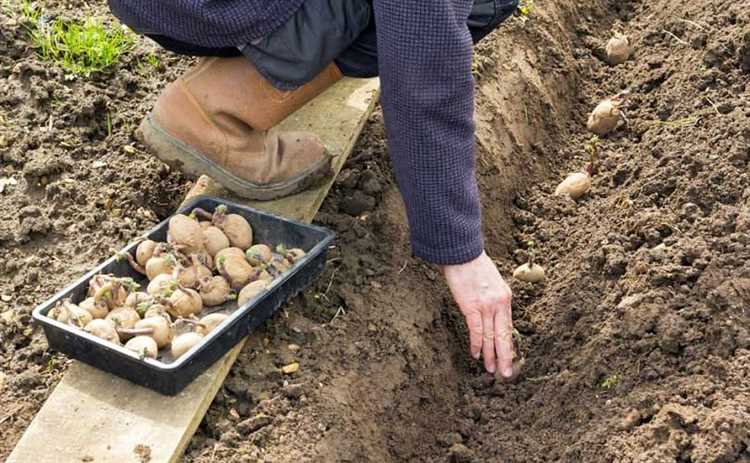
(610,382)
(81,48)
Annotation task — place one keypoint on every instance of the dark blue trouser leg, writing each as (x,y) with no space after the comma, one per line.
(322,31)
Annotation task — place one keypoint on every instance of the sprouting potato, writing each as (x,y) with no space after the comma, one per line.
(606,116)
(123,317)
(530,272)
(263,275)
(214,291)
(190,276)
(281,264)
(575,185)
(103,328)
(96,310)
(78,317)
(185,302)
(215,240)
(618,49)
(67,312)
(184,343)
(209,323)
(144,346)
(258,254)
(162,264)
(295,254)
(136,298)
(110,290)
(157,310)
(162,284)
(144,251)
(186,232)
(162,331)
(236,270)
(250,291)
(235,227)
(201,264)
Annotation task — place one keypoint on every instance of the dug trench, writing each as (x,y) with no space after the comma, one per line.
(635,346)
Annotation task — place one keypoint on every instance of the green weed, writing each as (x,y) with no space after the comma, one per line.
(79,48)
(610,382)
(30,12)
(525,8)
(148,64)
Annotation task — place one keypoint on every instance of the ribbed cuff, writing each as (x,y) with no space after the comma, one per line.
(456,255)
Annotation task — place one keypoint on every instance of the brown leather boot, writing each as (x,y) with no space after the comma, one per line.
(217,120)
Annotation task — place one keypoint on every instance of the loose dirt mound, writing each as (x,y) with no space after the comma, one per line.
(636,346)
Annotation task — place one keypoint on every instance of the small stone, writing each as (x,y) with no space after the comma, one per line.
(294,391)
(724,108)
(2,380)
(630,420)
(450,439)
(293,347)
(234,414)
(372,328)
(459,453)
(98,164)
(128,149)
(658,253)
(28,379)
(6,298)
(253,424)
(290,369)
(7,317)
(30,211)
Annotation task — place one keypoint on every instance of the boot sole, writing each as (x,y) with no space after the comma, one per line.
(179,156)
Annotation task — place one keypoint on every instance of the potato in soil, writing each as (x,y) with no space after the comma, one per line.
(575,185)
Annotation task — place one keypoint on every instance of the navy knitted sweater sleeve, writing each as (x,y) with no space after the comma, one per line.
(424,53)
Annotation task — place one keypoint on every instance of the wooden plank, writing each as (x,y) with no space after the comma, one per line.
(94,416)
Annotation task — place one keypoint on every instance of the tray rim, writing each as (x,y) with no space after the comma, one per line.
(40,318)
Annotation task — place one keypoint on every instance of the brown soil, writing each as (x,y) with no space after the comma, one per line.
(637,347)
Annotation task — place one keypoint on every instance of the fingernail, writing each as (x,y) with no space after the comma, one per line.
(475,355)
(491,369)
(508,372)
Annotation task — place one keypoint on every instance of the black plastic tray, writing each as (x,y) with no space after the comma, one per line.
(169,376)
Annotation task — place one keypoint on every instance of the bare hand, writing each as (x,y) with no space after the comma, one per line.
(484,299)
